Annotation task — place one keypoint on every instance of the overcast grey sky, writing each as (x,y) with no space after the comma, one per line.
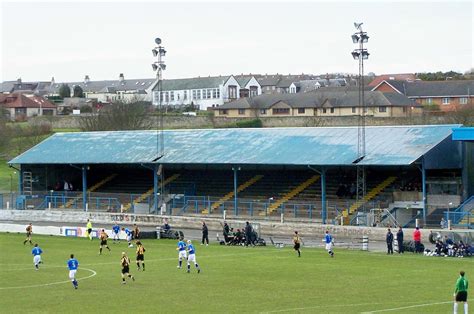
(68,40)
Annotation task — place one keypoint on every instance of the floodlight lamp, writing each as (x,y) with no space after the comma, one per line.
(157,40)
(155,52)
(358,25)
(355,55)
(364,38)
(162,52)
(162,66)
(355,39)
(154,66)
(365,55)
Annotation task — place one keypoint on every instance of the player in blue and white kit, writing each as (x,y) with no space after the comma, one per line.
(329,243)
(192,257)
(128,232)
(72,264)
(116,232)
(181,252)
(36,256)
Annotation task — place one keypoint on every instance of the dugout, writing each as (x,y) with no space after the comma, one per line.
(222,160)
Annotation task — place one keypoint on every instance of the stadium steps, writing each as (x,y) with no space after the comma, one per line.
(149,192)
(91,189)
(372,194)
(298,189)
(229,195)
(468,208)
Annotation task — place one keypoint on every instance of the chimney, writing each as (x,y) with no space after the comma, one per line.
(121,78)
(52,80)
(86,79)
(18,81)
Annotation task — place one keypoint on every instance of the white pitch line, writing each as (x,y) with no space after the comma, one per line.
(317,307)
(408,307)
(53,283)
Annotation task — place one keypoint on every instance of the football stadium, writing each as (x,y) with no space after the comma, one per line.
(240,202)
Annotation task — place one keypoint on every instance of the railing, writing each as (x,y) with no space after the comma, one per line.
(460,219)
(462,211)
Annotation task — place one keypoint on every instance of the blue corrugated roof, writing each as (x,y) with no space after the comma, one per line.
(385,145)
(463,134)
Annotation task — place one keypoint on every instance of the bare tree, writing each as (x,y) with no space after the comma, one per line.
(464,115)
(127,115)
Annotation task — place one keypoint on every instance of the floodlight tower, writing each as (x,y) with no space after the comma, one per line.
(360,37)
(159,66)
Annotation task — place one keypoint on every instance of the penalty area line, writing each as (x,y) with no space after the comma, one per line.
(93,273)
(409,307)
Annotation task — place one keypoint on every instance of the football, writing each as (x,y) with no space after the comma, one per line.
(131,245)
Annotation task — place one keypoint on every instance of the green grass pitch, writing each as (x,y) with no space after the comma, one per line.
(233,280)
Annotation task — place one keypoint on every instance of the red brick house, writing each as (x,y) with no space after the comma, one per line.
(408,77)
(446,95)
(20,106)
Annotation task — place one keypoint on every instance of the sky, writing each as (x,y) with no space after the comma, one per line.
(68,40)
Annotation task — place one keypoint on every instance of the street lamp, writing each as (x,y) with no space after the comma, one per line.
(360,38)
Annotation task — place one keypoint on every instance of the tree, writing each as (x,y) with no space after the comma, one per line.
(131,115)
(64,91)
(78,92)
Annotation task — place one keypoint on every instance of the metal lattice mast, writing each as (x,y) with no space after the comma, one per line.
(361,54)
(159,52)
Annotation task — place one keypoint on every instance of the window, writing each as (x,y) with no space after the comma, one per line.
(446,100)
(353,109)
(332,110)
(382,109)
(214,93)
(324,110)
(203,94)
(172,96)
(273,87)
(167,96)
(428,101)
(463,100)
(194,94)
(241,111)
(223,111)
(209,93)
(198,94)
(404,109)
(253,91)
(301,110)
(232,92)
(218,93)
(263,111)
(185,95)
(281,110)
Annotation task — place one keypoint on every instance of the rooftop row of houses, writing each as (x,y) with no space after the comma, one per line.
(20,106)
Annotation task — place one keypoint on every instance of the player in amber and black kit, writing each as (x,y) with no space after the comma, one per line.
(140,256)
(29,231)
(125,262)
(103,241)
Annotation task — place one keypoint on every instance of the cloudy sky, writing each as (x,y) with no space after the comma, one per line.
(68,40)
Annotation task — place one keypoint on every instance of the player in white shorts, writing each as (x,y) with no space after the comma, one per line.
(329,242)
(36,256)
(181,252)
(192,257)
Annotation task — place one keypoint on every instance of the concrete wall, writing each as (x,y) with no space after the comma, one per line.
(181,121)
(267,228)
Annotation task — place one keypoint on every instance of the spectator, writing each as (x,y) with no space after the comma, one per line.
(443,223)
(389,240)
(417,239)
(400,240)
(205,234)
(248,233)
(166,226)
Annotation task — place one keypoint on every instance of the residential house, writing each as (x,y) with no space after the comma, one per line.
(21,106)
(205,92)
(280,84)
(445,95)
(320,103)
(408,77)
(310,85)
(33,88)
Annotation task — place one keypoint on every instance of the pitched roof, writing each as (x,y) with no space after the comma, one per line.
(103,86)
(243,79)
(432,88)
(194,83)
(317,98)
(386,145)
(18,100)
(400,76)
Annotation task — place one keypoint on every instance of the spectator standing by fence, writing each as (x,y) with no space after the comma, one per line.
(417,239)
(205,234)
(443,223)
(389,240)
(400,240)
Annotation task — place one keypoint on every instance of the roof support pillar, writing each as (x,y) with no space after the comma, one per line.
(323,195)
(20,180)
(236,200)
(84,187)
(423,188)
(155,187)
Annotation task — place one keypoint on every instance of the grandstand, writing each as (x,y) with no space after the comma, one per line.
(300,173)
